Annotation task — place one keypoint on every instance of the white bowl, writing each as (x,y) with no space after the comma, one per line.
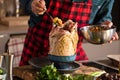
(3,75)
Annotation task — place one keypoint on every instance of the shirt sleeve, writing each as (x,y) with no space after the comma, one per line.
(101,11)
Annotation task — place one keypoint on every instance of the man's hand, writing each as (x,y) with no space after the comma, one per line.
(38,7)
(109,24)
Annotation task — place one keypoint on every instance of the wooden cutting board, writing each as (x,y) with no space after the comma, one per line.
(27,72)
(14,21)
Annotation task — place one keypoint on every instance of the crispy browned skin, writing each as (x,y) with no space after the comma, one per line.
(63,40)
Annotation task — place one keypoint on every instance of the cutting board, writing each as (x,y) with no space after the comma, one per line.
(14,21)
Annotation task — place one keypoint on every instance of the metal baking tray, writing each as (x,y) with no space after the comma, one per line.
(101,66)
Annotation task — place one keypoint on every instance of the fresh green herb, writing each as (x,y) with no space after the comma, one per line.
(50,73)
(1,71)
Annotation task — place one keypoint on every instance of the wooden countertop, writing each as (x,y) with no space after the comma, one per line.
(27,72)
(13,30)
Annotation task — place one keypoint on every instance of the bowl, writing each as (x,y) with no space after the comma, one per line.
(3,73)
(97,34)
(62,58)
(39,62)
(67,67)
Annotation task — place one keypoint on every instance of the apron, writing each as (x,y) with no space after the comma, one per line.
(37,39)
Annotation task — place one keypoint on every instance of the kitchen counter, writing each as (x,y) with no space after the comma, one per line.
(28,72)
(13,30)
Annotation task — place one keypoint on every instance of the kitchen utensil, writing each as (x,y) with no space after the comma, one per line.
(114,59)
(101,66)
(62,58)
(66,67)
(8,62)
(1,60)
(40,62)
(98,36)
(9,65)
(49,15)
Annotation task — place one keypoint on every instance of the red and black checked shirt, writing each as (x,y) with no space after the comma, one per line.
(37,43)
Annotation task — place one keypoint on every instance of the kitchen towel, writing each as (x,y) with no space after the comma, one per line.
(15,46)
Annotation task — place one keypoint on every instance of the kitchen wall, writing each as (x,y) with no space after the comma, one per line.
(98,52)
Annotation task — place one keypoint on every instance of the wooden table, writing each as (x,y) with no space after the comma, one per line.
(25,72)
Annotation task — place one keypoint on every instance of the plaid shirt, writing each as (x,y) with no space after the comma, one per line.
(101,11)
(37,43)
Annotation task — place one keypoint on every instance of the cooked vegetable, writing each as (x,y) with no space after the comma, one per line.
(57,21)
(99,28)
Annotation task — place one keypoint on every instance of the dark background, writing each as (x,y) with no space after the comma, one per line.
(116,14)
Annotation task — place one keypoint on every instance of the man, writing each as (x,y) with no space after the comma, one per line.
(84,12)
